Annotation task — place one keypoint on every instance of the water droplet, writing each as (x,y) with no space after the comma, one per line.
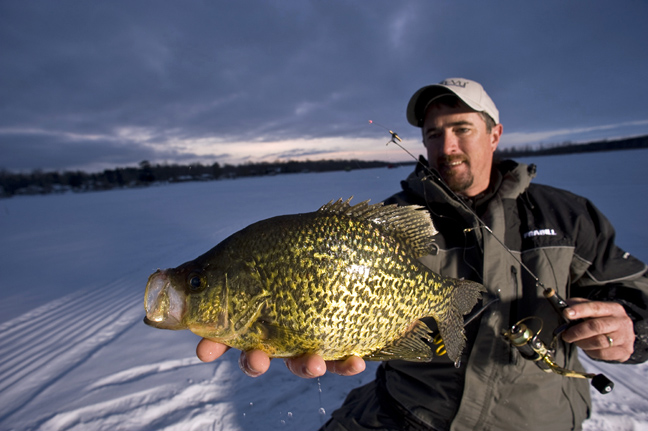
(322,412)
(289,414)
(282,422)
(457,363)
(251,404)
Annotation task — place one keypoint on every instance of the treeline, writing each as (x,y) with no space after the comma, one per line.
(570,148)
(146,174)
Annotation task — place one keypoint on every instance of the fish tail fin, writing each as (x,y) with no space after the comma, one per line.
(461,300)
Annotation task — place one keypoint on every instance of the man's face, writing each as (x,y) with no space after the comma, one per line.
(460,147)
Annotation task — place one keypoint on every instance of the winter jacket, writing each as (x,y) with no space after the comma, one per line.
(569,246)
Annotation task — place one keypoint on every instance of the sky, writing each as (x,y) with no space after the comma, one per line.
(95,85)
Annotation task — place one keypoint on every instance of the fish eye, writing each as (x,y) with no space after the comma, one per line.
(196,282)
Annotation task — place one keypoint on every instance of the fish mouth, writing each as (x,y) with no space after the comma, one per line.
(164,304)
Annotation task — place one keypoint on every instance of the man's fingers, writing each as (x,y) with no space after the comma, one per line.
(208,351)
(587,340)
(606,332)
(348,367)
(307,366)
(254,363)
(580,308)
(590,328)
(618,354)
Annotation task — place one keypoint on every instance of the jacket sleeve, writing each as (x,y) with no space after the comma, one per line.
(614,275)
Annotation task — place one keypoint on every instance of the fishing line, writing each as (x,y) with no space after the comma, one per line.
(394,135)
(396,140)
(528,343)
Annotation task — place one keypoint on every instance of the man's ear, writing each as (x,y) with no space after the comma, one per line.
(496,134)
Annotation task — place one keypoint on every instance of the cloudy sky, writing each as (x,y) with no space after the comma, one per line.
(90,85)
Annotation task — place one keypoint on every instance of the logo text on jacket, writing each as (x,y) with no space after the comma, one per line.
(540,232)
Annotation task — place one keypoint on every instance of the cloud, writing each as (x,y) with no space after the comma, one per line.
(28,149)
(122,81)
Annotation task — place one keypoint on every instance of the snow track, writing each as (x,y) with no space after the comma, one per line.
(43,347)
(40,348)
(154,408)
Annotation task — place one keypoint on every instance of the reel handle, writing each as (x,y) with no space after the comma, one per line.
(602,384)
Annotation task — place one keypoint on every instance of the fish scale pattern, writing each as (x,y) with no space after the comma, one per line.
(344,280)
(340,285)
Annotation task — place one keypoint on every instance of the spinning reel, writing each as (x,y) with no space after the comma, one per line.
(532,348)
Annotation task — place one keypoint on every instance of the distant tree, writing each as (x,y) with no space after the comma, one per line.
(75,179)
(145,175)
(216,170)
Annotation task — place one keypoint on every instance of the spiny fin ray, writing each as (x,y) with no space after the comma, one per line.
(411,223)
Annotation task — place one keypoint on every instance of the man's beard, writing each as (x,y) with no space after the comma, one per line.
(457,181)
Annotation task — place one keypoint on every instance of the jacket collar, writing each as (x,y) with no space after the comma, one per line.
(509,179)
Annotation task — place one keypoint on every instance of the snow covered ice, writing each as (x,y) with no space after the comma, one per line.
(73,268)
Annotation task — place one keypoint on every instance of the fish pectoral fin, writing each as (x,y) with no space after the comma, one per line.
(248,315)
(279,341)
(267,330)
(230,326)
(414,345)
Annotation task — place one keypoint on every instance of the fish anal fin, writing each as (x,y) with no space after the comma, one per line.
(413,346)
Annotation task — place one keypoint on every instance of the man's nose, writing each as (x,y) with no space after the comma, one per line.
(449,142)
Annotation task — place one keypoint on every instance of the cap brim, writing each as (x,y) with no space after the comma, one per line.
(421,99)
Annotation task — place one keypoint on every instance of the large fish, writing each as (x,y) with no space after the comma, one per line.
(344,280)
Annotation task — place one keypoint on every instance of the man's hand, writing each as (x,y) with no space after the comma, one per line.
(309,366)
(256,362)
(607,332)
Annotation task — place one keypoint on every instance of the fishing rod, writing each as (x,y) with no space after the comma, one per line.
(394,135)
(520,335)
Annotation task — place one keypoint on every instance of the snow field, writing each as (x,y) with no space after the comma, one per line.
(73,268)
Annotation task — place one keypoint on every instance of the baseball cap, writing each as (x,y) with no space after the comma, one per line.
(471,92)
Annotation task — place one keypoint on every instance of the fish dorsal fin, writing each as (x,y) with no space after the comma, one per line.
(411,223)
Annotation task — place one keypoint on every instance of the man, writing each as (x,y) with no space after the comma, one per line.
(560,237)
